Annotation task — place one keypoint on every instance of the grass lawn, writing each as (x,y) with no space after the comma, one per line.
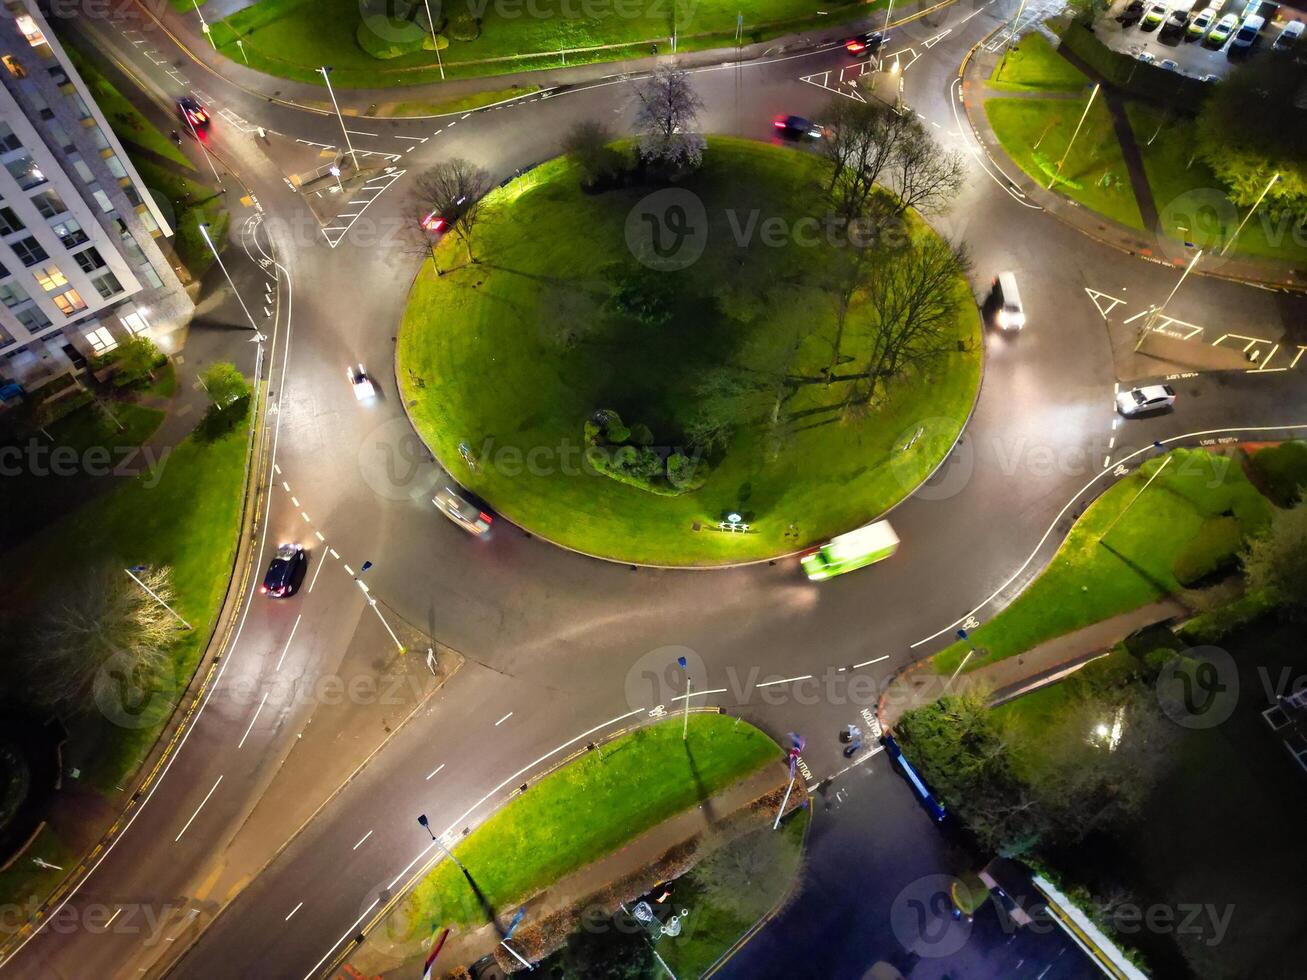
(587,809)
(291,38)
(1221,828)
(761,866)
(1190,202)
(1034,65)
(1089,581)
(187,204)
(127,122)
(187,518)
(1036,133)
(459,105)
(511,355)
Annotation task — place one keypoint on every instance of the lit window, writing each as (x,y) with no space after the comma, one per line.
(50,278)
(97,135)
(82,169)
(108,285)
(102,199)
(24,170)
(135,322)
(101,340)
(149,275)
(14,65)
(89,259)
(30,31)
(115,166)
(70,302)
(61,138)
(147,219)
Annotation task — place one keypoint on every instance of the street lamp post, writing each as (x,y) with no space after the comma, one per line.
(1057,173)
(240,45)
(888,10)
(204,27)
(435,41)
(426,824)
(372,601)
(335,172)
(154,595)
(326,77)
(685,715)
(1256,204)
(204,231)
(1152,318)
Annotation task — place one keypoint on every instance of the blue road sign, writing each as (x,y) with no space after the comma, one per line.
(517,918)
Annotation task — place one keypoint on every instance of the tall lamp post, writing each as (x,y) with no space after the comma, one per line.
(1058,172)
(1256,204)
(426,824)
(1148,324)
(326,77)
(435,41)
(204,231)
(204,27)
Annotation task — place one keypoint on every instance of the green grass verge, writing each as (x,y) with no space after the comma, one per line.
(445,106)
(1191,202)
(1089,581)
(291,38)
(730,890)
(1036,134)
(185,514)
(188,204)
(587,809)
(512,355)
(127,122)
(26,879)
(1033,66)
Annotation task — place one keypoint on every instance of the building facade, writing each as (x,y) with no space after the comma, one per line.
(80,264)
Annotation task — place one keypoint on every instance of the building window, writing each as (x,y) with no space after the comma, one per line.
(82,169)
(82,111)
(149,275)
(50,278)
(70,233)
(9,222)
(58,74)
(89,259)
(70,302)
(147,219)
(135,323)
(97,135)
(101,340)
(107,285)
(49,204)
(12,294)
(102,199)
(29,251)
(61,138)
(133,198)
(33,319)
(30,31)
(14,65)
(8,141)
(24,170)
(129,243)
(115,166)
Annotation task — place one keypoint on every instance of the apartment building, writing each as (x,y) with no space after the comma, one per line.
(80,264)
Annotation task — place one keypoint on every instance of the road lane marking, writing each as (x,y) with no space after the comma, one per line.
(197,811)
(320,536)
(348,933)
(784,680)
(285,486)
(316,573)
(435,770)
(361,840)
(868,663)
(416,139)
(241,743)
(295,501)
(112,917)
(695,694)
(349,571)
(293,911)
(306,517)
(358,132)
(334,552)
(503,719)
(289,638)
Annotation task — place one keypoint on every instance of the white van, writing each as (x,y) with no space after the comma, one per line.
(1248,32)
(1289,36)
(1005,302)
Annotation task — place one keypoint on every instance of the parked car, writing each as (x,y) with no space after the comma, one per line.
(797,127)
(1247,34)
(1154,16)
(933,806)
(866,43)
(285,571)
(1175,23)
(1221,30)
(1168,64)
(1131,14)
(1147,57)
(1145,400)
(462,511)
(1201,24)
(1289,36)
(1209,78)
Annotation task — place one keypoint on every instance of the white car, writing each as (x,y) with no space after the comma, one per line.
(361,383)
(1153,16)
(1142,401)
(1168,64)
(1201,23)
(462,511)
(1147,57)
(1221,30)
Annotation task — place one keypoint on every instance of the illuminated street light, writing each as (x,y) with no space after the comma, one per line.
(204,231)
(1067,152)
(426,824)
(326,77)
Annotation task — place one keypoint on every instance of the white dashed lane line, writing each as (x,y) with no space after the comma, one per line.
(282,658)
(197,811)
(361,840)
(293,911)
(435,770)
(784,680)
(241,743)
(503,719)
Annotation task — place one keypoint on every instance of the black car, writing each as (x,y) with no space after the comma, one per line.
(1132,14)
(286,571)
(192,113)
(797,128)
(867,43)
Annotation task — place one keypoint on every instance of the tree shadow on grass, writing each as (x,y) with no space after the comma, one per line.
(701,790)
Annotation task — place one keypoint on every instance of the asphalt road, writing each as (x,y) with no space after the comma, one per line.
(560,646)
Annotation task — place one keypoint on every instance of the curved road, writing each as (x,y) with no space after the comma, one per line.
(558,645)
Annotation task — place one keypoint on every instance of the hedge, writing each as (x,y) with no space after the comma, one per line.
(1214,548)
(1283,471)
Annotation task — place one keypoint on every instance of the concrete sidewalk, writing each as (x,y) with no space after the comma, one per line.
(920,685)
(1152,245)
(389,952)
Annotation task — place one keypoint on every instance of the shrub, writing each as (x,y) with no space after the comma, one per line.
(464,27)
(1283,471)
(1215,548)
(1214,626)
(135,361)
(686,473)
(628,456)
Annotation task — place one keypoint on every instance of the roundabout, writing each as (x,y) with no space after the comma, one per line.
(716,349)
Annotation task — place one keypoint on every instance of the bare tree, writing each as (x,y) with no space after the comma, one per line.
(103,620)
(863,142)
(666,119)
(928,177)
(447,199)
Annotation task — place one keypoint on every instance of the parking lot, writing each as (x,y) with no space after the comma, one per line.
(1192,56)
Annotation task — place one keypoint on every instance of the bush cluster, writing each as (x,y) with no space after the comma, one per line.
(629,456)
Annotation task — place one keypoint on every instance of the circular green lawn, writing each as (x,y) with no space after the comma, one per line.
(501,362)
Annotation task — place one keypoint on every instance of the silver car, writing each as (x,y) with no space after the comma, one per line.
(1145,400)
(462,511)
